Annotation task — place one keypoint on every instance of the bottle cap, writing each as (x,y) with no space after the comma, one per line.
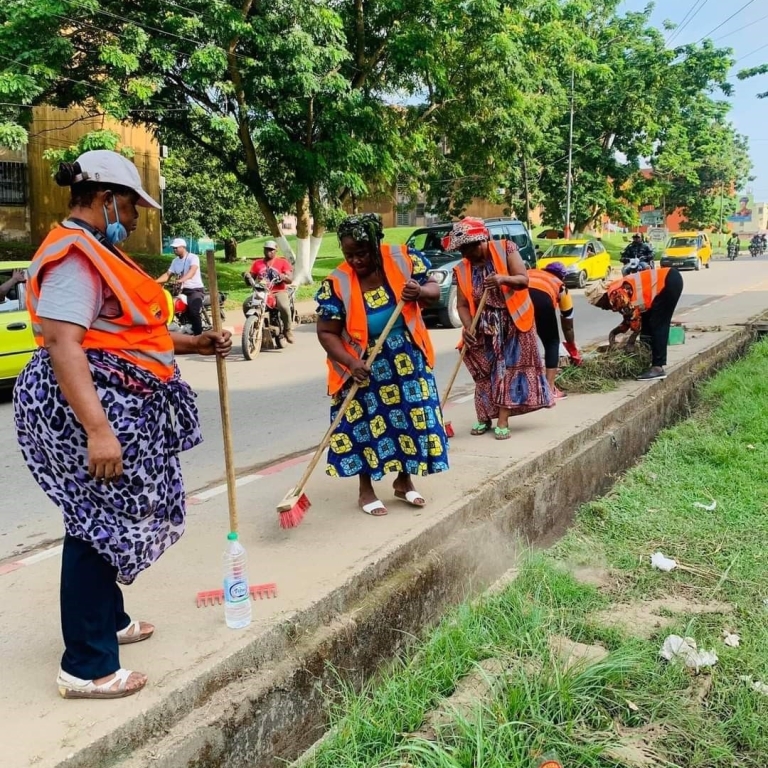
(232,536)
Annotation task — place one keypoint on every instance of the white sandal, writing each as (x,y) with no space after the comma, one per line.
(71,687)
(133,634)
(373,507)
(414,498)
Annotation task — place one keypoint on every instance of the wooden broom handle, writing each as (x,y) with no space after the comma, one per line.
(221,373)
(348,399)
(472,328)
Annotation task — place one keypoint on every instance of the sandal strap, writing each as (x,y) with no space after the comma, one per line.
(132,630)
(369,509)
(65,680)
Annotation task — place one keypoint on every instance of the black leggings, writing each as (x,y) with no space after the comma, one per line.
(546,326)
(658,319)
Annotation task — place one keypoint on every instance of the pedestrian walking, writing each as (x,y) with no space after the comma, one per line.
(101,415)
(647,301)
(502,355)
(394,424)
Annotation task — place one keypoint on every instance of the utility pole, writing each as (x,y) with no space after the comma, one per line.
(722,184)
(570,167)
(526,190)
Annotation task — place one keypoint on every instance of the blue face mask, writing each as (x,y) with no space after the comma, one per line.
(115,232)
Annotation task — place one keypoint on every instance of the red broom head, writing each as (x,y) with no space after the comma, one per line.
(292,517)
(449,429)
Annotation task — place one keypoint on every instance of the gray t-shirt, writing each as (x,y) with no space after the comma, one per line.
(73,291)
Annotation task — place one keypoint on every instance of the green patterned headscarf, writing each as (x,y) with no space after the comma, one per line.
(365,228)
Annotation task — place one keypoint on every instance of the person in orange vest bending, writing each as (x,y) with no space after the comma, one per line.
(647,300)
(102,414)
(549,293)
(502,355)
(394,424)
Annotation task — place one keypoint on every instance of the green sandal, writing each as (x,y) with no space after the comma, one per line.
(480,428)
(502,433)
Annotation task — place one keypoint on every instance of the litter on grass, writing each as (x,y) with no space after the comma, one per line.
(684,649)
(662,563)
(706,507)
(730,639)
(755,685)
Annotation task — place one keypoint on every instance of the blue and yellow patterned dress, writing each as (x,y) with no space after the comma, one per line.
(395,423)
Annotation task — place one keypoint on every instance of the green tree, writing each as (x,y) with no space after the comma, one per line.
(203,198)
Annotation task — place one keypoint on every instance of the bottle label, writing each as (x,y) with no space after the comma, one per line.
(235,590)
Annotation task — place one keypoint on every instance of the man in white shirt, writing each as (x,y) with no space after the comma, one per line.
(185,268)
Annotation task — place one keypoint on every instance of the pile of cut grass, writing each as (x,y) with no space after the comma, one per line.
(602,371)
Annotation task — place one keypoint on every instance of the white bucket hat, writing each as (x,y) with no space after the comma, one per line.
(107,167)
(271,245)
(179,242)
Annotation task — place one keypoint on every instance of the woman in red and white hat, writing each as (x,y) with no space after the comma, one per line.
(502,355)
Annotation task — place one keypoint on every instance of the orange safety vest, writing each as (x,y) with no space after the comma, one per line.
(518,302)
(645,286)
(398,269)
(541,280)
(140,333)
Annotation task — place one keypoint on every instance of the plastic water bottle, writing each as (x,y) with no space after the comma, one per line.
(237,596)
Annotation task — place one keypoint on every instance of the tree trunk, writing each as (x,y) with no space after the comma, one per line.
(302,271)
(230,250)
(318,226)
(526,191)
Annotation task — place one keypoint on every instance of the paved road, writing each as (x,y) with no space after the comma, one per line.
(280,407)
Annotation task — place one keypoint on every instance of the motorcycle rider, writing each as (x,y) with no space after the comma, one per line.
(637,249)
(185,267)
(756,245)
(279,271)
(734,244)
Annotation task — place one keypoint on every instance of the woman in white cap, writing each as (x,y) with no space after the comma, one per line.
(102,414)
(279,273)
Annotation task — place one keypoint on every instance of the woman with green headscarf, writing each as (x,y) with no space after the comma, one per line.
(394,424)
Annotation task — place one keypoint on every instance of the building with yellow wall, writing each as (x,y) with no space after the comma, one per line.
(30,201)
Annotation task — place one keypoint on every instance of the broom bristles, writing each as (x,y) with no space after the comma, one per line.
(292,517)
(449,429)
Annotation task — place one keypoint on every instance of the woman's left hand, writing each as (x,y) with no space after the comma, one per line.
(411,291)
(212,343)
(495,281)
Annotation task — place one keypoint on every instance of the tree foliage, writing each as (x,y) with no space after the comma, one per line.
(310,105)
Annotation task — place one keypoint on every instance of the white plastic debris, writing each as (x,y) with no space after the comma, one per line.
(662,563)
(706,507)
(765,602)
(676,648)
(731,639)
(755,685)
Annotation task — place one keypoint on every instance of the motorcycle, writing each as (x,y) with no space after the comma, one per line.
(755,249)
(634,265)
(182,322)
(263,328)
(733,249)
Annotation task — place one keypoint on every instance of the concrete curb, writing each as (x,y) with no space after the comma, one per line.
(265,705)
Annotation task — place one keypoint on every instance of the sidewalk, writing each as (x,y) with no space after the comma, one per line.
(320,567)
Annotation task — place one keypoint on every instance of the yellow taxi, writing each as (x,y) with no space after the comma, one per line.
(584,260)
(17,343)
(687,250)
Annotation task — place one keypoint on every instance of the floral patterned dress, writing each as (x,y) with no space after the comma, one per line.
(504,363)
(394,424)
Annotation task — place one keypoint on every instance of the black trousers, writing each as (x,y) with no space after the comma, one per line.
(658,319)
(546,326)
(92,611)
(195,298)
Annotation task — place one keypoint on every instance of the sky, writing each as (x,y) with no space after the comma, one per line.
(749,114)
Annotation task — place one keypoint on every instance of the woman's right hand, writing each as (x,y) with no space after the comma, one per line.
(468,336)
(105,455)
(360,371)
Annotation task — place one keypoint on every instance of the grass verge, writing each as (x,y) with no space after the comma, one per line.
(631,706)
